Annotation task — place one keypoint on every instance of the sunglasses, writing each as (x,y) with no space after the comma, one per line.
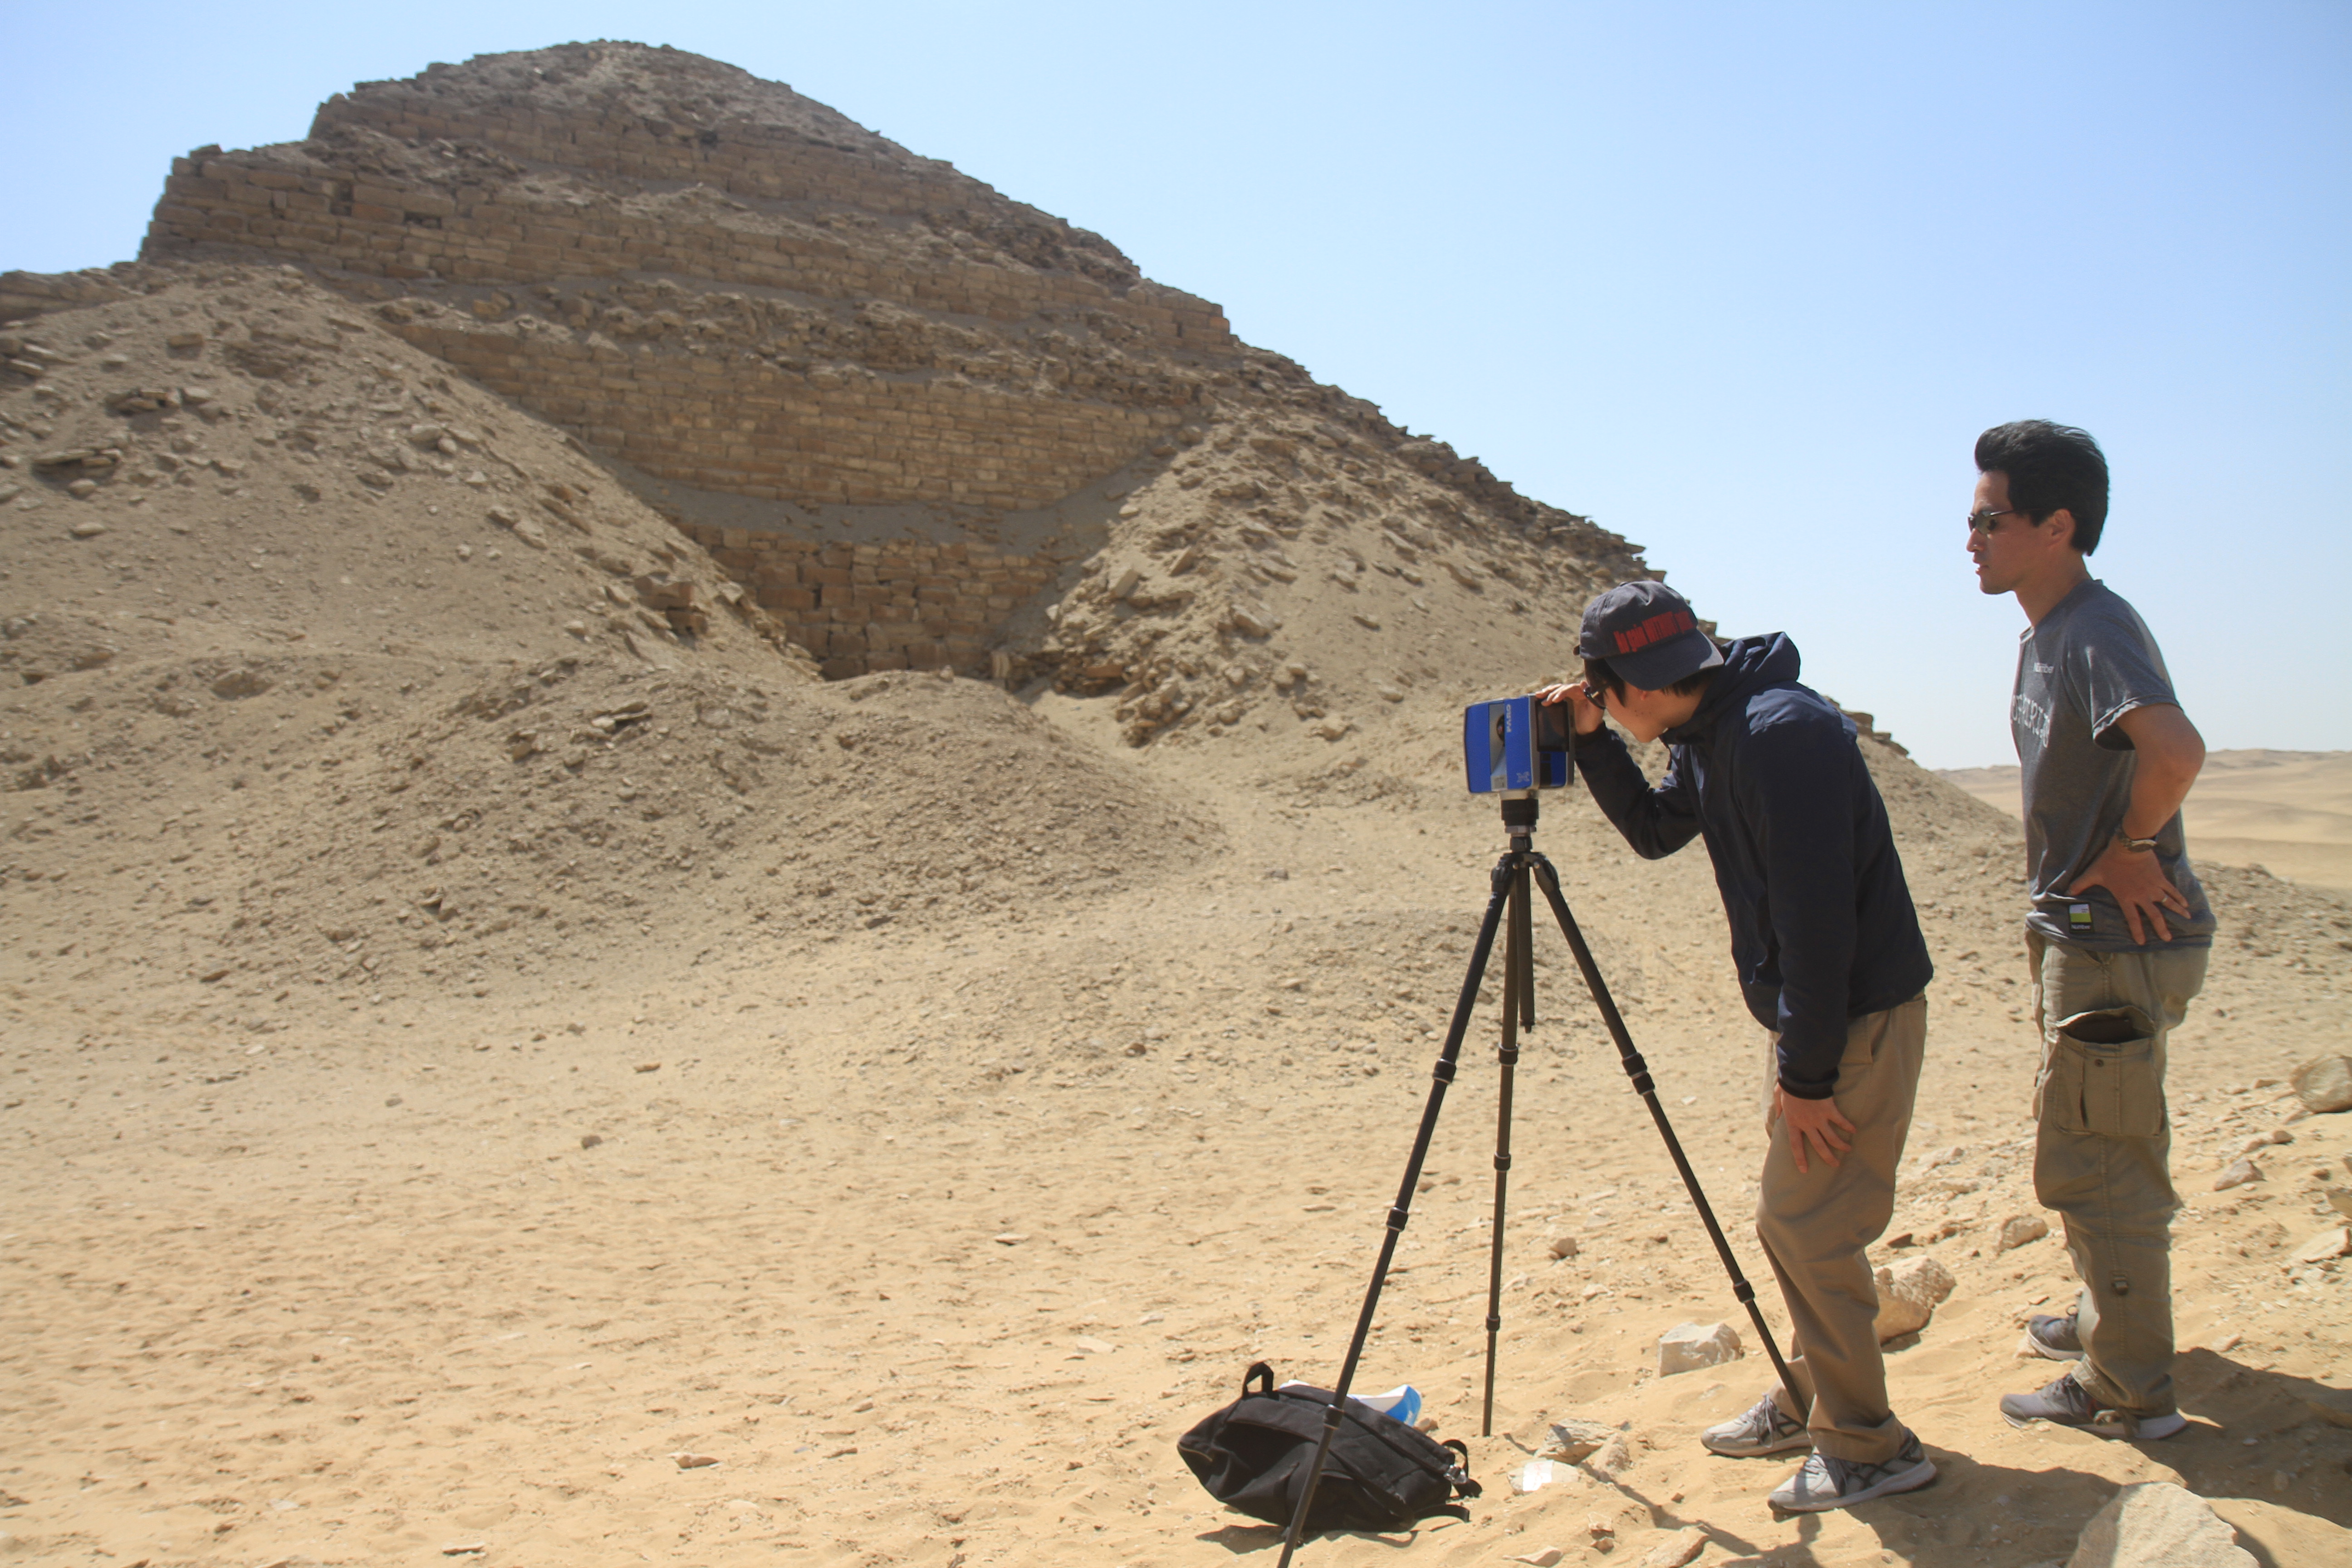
(1983,519)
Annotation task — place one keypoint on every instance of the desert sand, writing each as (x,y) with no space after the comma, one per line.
(2288,812)
(492,1075)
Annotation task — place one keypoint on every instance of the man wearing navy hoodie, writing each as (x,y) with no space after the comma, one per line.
(1831,960)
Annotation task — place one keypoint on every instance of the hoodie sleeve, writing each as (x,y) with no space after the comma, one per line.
(1797,786)
(1655,822)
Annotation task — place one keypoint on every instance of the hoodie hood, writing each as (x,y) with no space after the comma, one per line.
(1749,665)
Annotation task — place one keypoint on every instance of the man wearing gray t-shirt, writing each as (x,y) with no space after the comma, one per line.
(2118,931)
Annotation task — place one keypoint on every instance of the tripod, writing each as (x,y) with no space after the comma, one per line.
(1519,866)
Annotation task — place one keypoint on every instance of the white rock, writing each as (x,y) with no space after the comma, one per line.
(1574,1440)
(1543,1557)
(2019,1229)
(1252,619)
(2157,1522)
(2325,1083)
(1535,1475)
(1564,1247)
(1908,1294)
(1686,1347)
(2336,1243)
(2240,1173)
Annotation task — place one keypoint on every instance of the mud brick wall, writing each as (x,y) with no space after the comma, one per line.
(728,422)
(311,211)
(901,604)
(732,288)
(750,428)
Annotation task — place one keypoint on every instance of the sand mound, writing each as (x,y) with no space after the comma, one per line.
(349,676)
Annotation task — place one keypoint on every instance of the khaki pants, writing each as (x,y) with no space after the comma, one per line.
(1814,1227)
(2103,1150)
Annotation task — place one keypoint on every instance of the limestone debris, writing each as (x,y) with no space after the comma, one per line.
(2019,1229)
(2325,1083)
(1908,1294)
(1688,1347)
(2157,1521)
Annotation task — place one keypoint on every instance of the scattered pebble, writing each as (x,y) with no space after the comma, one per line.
(2019,1229)
(2239,1172)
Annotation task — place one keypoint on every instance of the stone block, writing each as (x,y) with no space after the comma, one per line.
(2019,1229)
(1574,1440)
(1908,1295)
(1688,1347)
(2323,1084)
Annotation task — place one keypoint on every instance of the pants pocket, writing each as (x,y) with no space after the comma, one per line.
(2100,1076)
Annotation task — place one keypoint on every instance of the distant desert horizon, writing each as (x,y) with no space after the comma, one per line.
(2288,812)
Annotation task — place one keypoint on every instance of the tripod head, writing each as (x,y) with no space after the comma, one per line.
(1520,811)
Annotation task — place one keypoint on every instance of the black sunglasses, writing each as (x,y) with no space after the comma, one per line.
(1983,519)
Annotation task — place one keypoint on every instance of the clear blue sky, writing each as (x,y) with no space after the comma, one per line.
(1742,283)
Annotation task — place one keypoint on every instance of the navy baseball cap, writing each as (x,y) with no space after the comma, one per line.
(1648,635)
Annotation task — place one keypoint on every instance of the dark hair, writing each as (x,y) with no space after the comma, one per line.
(1597,673)
(2049,466)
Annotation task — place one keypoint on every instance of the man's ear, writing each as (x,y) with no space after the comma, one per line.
(2061,524)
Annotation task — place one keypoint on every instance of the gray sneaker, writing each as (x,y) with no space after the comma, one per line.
(2058,1337)
(2067,1402)
(1762,1428)
(1822,1483)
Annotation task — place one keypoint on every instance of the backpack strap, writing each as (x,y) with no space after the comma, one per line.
(1262,1374)
(1459,1474)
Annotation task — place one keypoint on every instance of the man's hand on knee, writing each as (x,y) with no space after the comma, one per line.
(1814,1121)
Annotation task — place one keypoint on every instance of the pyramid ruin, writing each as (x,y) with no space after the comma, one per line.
(923,425)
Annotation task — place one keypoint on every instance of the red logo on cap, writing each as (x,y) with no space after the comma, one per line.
(1657,628)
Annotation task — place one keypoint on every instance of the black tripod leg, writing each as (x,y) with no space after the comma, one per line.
(1639,1071)
(1523,925)
(1441,1075)
(1519,971)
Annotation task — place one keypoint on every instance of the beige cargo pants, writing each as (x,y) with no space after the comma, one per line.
(1815,1225)
(2103,1149)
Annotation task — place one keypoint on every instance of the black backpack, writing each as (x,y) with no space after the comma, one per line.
(1380,1474)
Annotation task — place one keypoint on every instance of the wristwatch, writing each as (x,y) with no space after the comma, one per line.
(2137,846)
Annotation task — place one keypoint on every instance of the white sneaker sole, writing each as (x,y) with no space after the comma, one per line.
(1785,1446)
(2152,1429)
(1789,1502)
